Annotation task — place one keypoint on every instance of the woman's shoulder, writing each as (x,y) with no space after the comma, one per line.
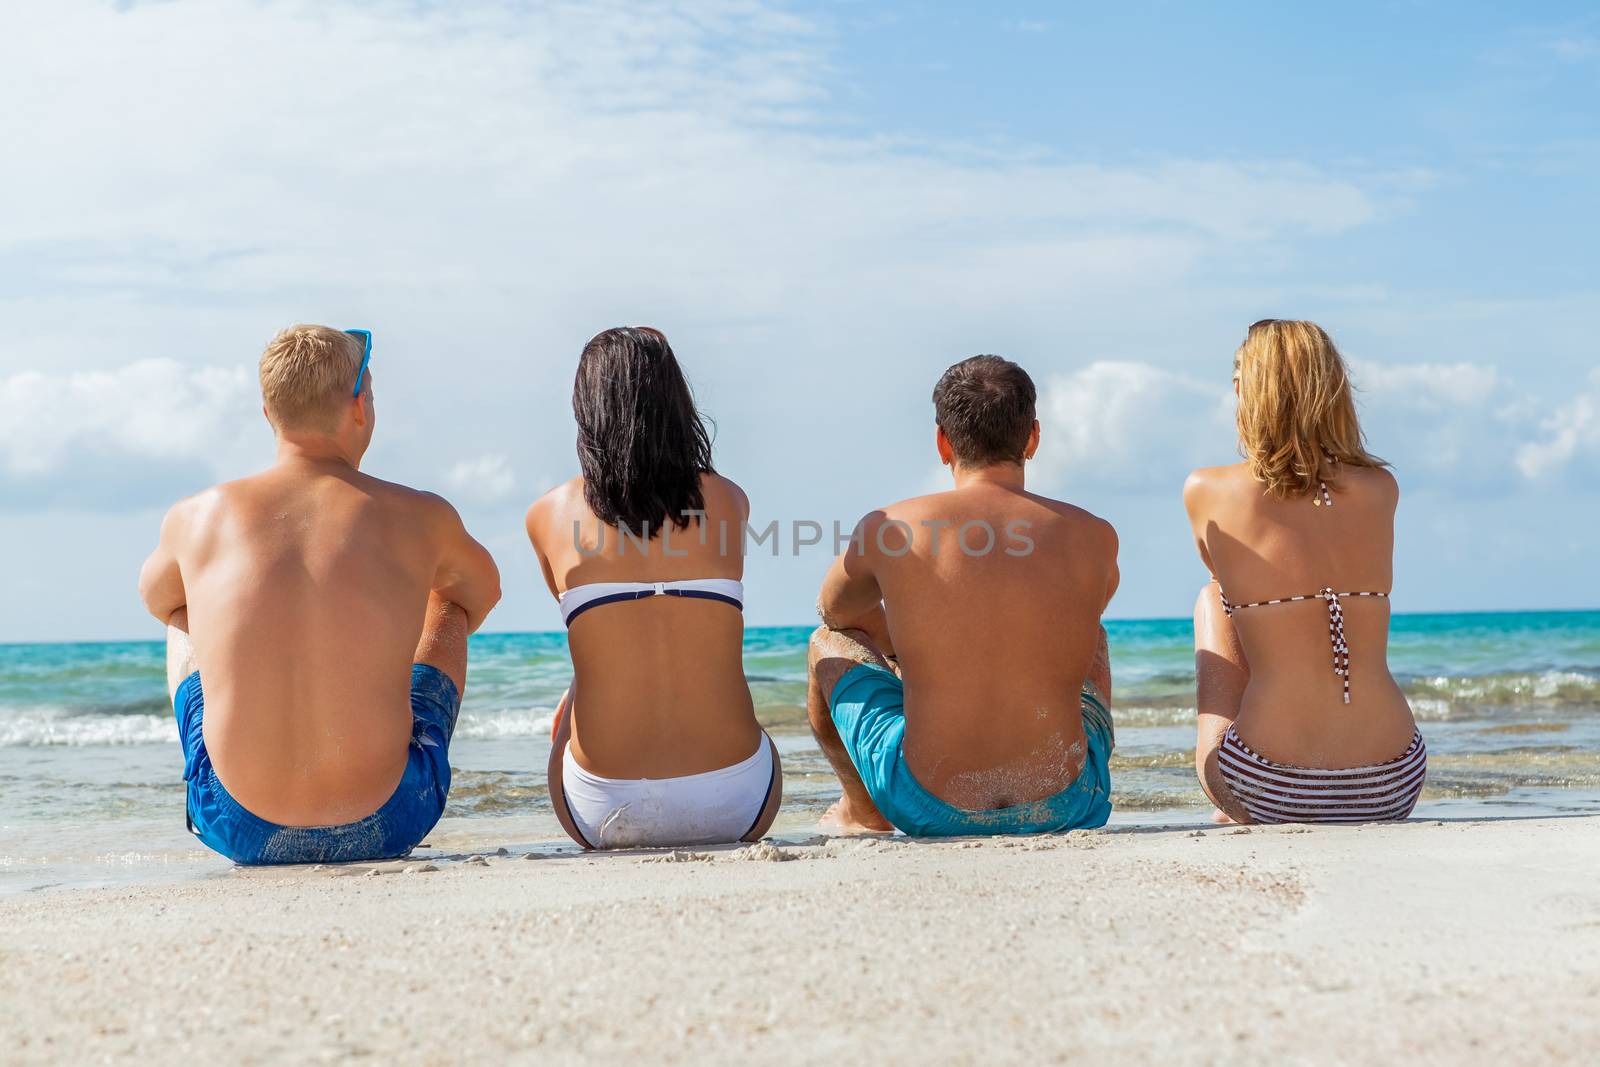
(557,500)
(721,492)
(1379,483)
(1207,483)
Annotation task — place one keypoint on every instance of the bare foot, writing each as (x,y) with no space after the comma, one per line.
(1220,817)
(844,820)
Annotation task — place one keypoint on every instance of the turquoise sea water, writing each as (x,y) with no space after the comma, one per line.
(90,772)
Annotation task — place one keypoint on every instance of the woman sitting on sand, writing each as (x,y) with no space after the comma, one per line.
(1300,541)
(656,744)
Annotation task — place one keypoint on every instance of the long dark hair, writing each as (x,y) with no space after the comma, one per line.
(641,444)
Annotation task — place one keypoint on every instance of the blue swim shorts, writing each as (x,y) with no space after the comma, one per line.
(868,707)
(388,833)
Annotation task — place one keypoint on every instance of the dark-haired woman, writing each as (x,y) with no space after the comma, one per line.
(656,744)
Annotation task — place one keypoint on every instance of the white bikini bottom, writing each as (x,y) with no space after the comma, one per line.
(717,807)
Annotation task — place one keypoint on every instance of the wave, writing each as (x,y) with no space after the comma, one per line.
(36,726)
(42,726)
(1570,687)
(1434,698)
(507,724)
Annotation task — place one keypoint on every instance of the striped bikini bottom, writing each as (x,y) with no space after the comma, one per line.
(1275,792)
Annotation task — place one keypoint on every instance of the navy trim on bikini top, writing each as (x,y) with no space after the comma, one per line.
(723,590)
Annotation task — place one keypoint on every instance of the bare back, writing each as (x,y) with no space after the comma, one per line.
(306,588)
(659,689)
(1262,548)
(994,645)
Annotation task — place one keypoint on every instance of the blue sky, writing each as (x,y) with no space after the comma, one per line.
(823,205)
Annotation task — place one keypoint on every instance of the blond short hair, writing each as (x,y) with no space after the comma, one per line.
(307,374)
(1295,406)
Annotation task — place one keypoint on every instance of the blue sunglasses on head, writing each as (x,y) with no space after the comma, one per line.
(366,356)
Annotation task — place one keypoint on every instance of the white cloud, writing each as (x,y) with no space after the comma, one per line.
(487,185)
(151,410)
(238,147)
(486,479)
(1573,430)
(1130,427)
(1430,386)
(1445,424)
(1134,427)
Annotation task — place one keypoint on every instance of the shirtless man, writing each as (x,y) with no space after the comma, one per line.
(960,681)
(328,612)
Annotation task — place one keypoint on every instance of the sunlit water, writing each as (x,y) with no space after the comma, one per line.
(90,771)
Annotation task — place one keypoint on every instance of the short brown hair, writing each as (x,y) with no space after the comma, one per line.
(985,406)
(307,373)
(1295,406)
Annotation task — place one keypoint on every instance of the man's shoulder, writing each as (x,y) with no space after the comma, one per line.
(419,503)
(1082,520)
(207,503)
(917,508)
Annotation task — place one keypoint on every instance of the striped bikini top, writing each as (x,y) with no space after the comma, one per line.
(580,598)
(1341,647)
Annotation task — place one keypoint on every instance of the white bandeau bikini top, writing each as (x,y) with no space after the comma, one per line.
(580,598)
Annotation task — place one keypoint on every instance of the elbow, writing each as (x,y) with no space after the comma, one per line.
(830,619)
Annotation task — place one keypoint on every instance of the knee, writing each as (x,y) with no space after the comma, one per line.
(1208,605)
(446,616)
(816,645)
(827,645)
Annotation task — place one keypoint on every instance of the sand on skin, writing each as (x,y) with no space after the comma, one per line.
(1453,942)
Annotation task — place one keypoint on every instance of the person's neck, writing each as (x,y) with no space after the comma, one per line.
(316,451)
(1002,475)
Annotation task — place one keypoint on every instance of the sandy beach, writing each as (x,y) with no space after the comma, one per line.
(1448,942)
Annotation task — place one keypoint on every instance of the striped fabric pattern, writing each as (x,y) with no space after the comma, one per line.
(1277,793)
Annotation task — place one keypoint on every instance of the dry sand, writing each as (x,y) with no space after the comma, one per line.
(1444,943)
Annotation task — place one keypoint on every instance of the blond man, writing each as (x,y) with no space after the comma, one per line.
(328,614)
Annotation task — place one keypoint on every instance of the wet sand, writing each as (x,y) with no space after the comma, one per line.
(1433,942)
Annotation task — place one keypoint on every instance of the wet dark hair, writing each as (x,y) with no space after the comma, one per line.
(985,406)
(641,444)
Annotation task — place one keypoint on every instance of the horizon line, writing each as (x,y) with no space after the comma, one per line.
(812,625)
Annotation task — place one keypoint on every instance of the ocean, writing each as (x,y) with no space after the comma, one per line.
(91,775)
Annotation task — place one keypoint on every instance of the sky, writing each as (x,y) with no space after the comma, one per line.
(823,205)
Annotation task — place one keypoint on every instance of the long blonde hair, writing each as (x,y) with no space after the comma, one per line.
(1295,406)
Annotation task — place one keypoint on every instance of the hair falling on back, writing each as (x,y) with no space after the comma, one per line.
(1296,408)
(642,446)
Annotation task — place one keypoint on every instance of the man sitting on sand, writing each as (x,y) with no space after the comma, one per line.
(960,680)
(328,613)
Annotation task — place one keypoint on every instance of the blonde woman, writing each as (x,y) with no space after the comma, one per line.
(1299,717)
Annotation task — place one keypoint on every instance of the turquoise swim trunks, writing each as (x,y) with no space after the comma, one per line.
(868,707)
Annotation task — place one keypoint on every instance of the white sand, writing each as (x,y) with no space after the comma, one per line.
(1446,943)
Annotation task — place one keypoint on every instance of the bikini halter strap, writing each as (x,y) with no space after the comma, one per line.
(1324,498)
(1336,636)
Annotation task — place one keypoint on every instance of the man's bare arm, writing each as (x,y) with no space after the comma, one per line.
(1100,669)
(467,575)
(850,597)
(160,580)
